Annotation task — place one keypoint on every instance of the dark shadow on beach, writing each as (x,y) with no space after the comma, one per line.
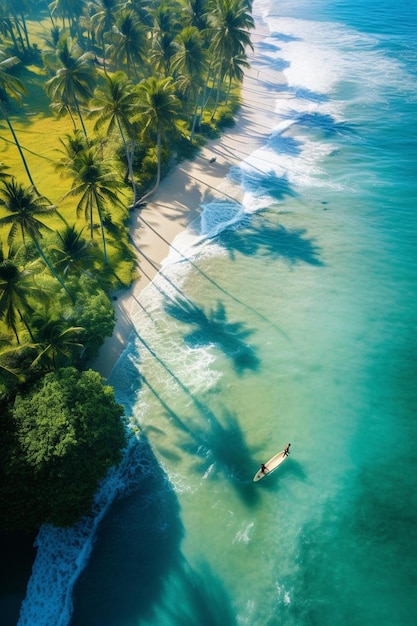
(136,549)
(271,240)
(211,327)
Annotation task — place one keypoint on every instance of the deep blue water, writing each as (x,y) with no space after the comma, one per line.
(296,323)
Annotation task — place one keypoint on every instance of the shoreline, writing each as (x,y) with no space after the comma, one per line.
(176,204)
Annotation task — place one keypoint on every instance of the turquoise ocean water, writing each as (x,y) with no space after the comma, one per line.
(295,323)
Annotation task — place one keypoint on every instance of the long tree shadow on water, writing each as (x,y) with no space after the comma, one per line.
(198,597)
(223,450)
(212,328)
(322,122)
(209,278)
(260,183)
(218,445)
(271,240)
(137,547)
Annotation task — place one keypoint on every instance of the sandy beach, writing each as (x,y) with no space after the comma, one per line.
(177,202)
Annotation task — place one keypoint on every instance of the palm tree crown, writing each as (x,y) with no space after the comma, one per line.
(74,79)
(23,209)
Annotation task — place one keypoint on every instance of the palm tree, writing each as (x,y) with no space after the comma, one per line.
(229,24)
(189,64)
(15,290)
(235,71)
(23,209)
(72,252)
(166,25)
(15,10)
(55,342)
(127,41)
(11,87)
(74,79)
(69,10)
(113,106)
(50,47)
(94,181)
(72,144)
(158,108)
(103,18)
(199,11)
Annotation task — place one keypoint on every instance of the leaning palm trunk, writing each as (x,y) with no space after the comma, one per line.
(103,237)
(130,151)
(77,107)
(195,116)
(158,171)
(18,146)
(216,104)
(51,268)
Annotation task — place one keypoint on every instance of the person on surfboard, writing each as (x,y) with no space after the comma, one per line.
(287,449)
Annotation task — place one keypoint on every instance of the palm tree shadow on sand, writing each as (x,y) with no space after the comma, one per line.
(212,328)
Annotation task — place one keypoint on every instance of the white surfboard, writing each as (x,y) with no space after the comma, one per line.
(270,466)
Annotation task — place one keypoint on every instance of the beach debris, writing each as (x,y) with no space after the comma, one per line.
(212,160)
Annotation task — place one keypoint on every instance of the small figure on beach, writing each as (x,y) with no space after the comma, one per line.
(264,468)
(213,160)
(287,449)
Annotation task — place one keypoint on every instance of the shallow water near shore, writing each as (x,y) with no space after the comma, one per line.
(293,320)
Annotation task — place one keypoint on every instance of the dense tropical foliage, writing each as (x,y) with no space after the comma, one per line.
(63,435)
(130,85)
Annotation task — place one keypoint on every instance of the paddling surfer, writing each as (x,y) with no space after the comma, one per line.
(287,449)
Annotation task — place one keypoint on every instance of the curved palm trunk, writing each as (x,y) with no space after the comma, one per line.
(72,117)
(51,268)
(18,146)
(129,158)
(195,117)
(103,239)
(25,29)
(158,171)
(100,217)
(216,104)
(19,33)
(23,320)
(77,106)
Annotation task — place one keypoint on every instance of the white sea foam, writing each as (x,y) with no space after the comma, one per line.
(244,534)
(283,594)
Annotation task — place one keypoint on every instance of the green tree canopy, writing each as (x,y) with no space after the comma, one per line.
(58,443)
